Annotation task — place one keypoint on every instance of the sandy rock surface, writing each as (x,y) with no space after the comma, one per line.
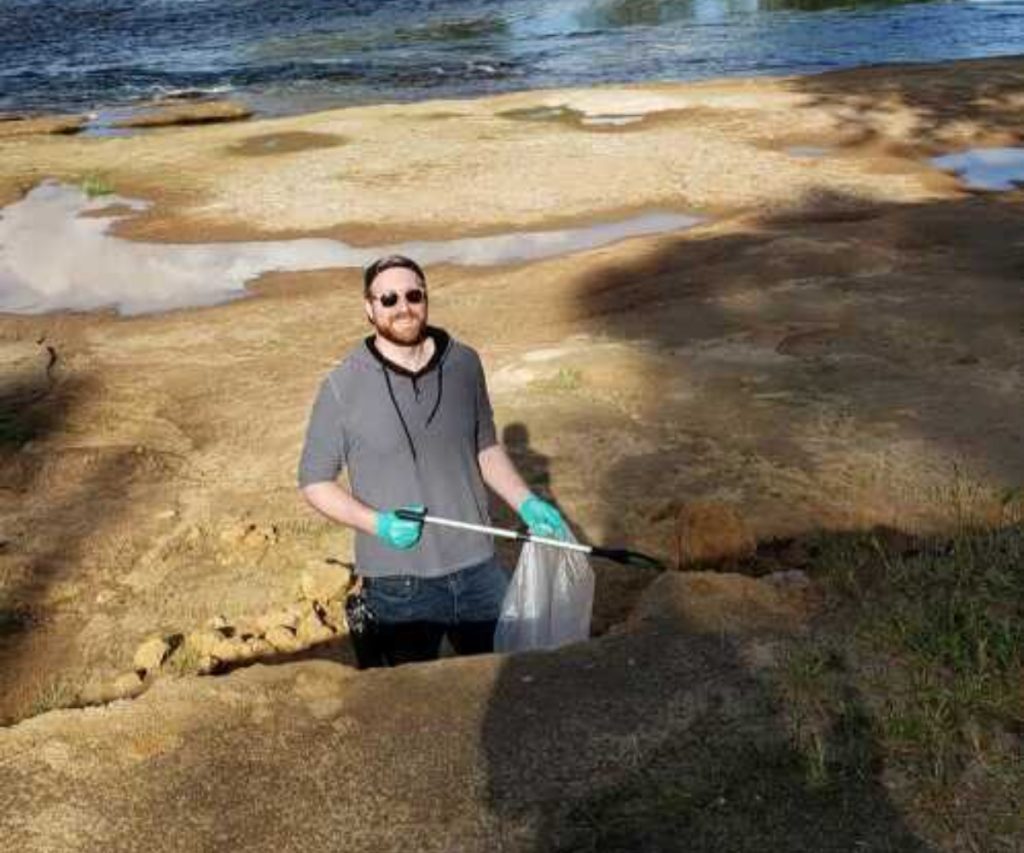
(12,126)
(837,347)
(205,112)
(471,754)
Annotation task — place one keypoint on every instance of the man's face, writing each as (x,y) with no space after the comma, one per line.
(404,323)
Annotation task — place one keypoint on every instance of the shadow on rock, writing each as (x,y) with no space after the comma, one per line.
(670,738)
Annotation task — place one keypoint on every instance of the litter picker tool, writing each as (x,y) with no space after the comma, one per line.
(616,555)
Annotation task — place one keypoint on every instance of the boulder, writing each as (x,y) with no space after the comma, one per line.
(206,112)
(717,603)
(707,532)
(41,125)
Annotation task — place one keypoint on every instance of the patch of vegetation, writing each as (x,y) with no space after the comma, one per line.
(95,185)
(54,695)
(895,724)
(184,660)
(568,380)
(928,641)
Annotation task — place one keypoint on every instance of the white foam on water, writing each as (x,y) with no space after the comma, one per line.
(53,258)
(986,168)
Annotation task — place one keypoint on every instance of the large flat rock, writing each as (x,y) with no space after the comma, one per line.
(651,741)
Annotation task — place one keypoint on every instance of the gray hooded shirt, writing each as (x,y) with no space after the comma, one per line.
(407,438)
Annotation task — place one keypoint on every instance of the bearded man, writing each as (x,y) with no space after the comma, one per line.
(406,412)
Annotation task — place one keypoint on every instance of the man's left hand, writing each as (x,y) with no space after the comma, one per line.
(542,518)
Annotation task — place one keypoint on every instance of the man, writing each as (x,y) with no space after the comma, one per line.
(407,413)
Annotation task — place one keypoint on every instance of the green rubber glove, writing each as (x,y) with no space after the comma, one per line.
(542,518)
(400,533)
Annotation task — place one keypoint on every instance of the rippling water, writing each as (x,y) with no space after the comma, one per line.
(294,55)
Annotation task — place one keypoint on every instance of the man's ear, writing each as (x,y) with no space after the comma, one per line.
(368,307)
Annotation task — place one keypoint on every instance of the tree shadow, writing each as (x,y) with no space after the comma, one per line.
(88,490)
(666,741)
(821,342)
(617,587)
(978,97)
(838,325)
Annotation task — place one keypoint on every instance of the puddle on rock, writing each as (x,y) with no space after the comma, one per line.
(611,120)
(578,118)
(811,152)
(285,143)
(56,254)
(541,114)
(986,168)
(104,122)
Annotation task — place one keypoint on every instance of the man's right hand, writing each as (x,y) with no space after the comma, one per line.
(400,533)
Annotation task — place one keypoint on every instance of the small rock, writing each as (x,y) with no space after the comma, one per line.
(332,614)
(206,664)
(323,583)
(202,643)
(127,686)
(151,654)
(259,648)
(791,578)
(282,639)
(230,651)
(312,631)
(280,618)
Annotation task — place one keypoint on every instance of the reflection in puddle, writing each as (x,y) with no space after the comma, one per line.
(544,113)
(807,151)
(104,122)
(55,254)
(612,120)
(986,168)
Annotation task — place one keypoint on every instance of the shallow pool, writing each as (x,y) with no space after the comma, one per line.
(52,257)
(986,168)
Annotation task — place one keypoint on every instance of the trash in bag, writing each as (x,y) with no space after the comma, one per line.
(548,601)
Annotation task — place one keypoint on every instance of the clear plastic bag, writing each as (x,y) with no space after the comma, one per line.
(548,601)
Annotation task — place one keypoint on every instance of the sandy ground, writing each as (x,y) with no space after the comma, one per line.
(841,345)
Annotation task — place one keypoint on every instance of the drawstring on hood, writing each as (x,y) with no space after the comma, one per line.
(441,343)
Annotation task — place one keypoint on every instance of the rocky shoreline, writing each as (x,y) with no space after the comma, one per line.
(836,348)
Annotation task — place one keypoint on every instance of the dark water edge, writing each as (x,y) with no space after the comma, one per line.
(294,56)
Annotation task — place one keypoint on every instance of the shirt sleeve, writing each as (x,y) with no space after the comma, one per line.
(486,434)
(326,448)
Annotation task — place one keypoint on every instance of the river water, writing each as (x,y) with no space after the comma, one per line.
(289,56)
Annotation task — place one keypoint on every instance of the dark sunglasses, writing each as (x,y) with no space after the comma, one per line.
(413,296)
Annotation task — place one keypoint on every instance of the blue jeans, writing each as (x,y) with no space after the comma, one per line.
(412,615)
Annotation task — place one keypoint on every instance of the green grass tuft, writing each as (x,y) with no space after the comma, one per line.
(567,381)
(95,185)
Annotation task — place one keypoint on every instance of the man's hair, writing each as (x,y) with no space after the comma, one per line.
(388,262)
